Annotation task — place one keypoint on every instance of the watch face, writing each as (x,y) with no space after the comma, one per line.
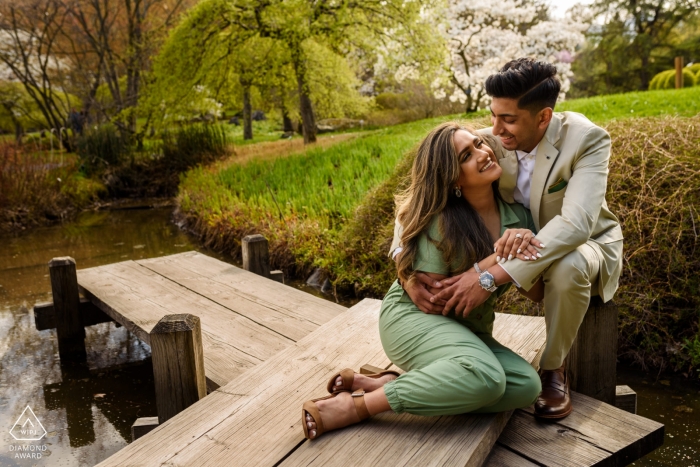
(486,280)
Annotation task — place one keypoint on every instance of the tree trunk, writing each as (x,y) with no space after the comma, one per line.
(287,125)
(305,108)
(247,114)
(644,73)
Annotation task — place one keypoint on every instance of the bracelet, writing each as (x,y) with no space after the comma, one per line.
(477,268)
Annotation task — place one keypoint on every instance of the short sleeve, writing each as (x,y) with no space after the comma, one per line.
(428,257)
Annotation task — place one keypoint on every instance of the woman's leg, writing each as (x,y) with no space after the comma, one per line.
(522,381)
(450,370)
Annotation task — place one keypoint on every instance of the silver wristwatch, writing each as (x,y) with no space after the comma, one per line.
(486,279)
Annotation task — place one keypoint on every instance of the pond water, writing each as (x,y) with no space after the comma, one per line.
(87,410)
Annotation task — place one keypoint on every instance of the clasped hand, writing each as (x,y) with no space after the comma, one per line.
(462,293)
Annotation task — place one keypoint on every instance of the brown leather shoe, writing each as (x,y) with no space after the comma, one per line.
(554,401)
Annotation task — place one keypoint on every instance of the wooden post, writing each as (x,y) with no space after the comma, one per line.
(178,364)
(143,426)
(69,323)
(592,360)
(626,399)
(679,72)
(255,255)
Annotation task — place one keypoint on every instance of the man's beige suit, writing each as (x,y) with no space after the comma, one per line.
(582,238)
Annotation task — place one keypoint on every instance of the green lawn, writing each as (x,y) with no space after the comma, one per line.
(601,109)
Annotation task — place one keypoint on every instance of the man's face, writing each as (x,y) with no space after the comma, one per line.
(517,128)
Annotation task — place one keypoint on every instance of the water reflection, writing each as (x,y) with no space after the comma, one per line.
(86,408)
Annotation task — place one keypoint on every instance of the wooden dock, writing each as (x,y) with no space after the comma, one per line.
(266,348)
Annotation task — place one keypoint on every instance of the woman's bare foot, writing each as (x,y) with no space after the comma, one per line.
(336,412)
(361,381)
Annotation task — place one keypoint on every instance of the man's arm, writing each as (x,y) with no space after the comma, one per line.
(580,210)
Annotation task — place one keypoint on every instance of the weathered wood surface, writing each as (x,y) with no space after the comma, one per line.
(256,419)
(405,439)
(178,364)
(592,360)
(245,318)
(594,434)
(45,315)
(285,310)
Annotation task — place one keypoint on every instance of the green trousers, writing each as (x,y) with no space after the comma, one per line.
(449,369)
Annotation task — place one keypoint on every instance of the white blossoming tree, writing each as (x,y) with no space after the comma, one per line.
(482,37)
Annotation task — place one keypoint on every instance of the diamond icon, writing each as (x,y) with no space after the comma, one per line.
(28,427)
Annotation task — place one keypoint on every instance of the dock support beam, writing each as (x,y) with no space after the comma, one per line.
(256,258)
(69,322)
(178,364)
(592,361)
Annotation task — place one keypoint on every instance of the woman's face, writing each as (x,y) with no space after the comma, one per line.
(478,164)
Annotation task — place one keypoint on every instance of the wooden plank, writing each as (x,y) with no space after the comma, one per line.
(502,457)
(592,360)
(138,298)
(595,433)
(256,419)
(285,310)
(45,315)
(392,439)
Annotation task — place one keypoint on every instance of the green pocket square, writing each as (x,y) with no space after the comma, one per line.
(558,186)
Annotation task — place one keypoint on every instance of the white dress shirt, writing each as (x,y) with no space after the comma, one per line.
(526,165)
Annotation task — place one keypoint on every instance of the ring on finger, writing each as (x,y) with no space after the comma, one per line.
(518,235)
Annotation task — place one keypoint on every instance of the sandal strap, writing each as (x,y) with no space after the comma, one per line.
(358,397)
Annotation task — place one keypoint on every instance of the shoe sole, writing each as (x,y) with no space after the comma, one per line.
(554,417)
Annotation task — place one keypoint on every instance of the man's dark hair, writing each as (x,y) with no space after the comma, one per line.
(533,83)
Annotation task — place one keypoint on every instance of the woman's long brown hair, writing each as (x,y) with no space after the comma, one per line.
(434,175)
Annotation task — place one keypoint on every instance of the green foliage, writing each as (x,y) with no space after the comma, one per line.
(194,144)
(102,147)
(18,109)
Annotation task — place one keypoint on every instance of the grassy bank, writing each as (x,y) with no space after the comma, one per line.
(333,208)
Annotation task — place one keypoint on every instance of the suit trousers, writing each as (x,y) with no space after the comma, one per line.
(568,286)
(449,369)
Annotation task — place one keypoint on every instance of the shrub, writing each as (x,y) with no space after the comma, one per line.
(102,147)
(667,79)
(32,192)
(194,144)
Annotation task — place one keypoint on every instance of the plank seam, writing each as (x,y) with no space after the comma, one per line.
(221,304)
(520,454)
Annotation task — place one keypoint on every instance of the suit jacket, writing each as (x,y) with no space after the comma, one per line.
(567,198)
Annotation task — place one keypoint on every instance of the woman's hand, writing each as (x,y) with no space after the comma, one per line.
(517,243)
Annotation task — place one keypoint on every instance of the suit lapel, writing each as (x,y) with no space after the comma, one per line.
(544,160)
(509,177)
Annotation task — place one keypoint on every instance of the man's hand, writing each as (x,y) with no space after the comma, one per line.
(462,293)
(421,290)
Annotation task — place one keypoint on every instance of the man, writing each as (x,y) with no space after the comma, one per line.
(557,166)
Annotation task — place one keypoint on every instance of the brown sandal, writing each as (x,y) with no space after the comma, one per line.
(311,408)
(348,376)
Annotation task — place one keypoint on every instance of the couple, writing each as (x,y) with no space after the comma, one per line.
(465,231)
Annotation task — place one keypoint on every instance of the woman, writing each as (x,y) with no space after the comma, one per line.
(451,216)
